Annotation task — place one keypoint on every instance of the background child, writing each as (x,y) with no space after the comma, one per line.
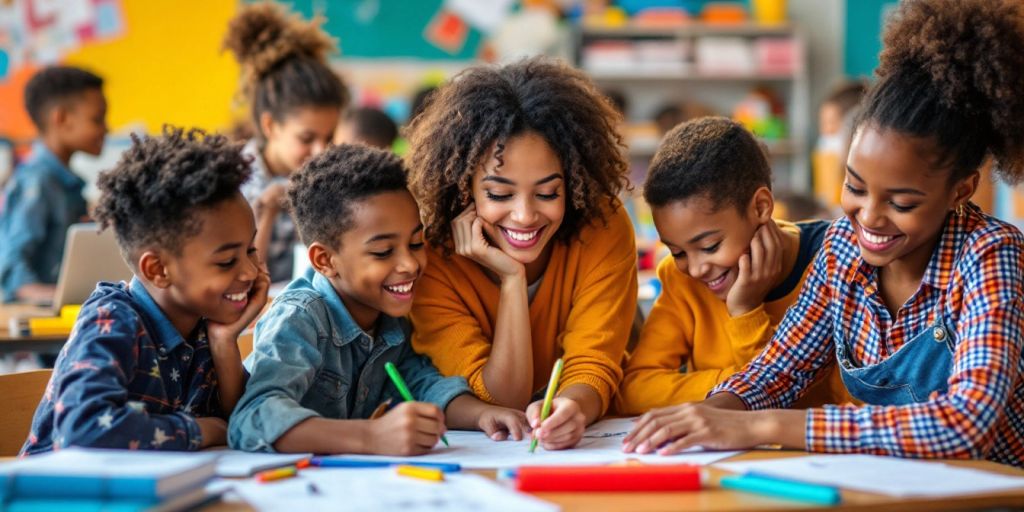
(154,364)
(44,197)
(296,101)
(732,271)
(367,125)
(318,361)
(916,293)
(835,128)
(517,170)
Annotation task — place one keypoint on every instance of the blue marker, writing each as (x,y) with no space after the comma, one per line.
(787,489)
(341,462)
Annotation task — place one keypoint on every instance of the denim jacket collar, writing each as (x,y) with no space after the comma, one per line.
(53,166)
(165,334)
(388,328)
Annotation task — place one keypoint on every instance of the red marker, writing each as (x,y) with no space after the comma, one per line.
(678,477)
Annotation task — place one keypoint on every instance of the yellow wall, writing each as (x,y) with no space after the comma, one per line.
(167,67)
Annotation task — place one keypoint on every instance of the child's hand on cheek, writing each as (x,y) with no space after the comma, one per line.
(501,423)
(564,426)
(758,271)
(468,235)
(228,333)
(411,428)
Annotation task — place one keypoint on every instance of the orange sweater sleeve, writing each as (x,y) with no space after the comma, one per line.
(653,378)
(603,306)
(447,326)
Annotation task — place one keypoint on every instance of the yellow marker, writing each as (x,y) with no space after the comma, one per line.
(276,474)
(433,475)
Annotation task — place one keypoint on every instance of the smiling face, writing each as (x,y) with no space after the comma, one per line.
(301,135)
(214,271)
(379,257)
(521,196)
(896,198)
(707,242)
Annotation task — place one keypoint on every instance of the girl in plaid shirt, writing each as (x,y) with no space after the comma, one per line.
(916,294)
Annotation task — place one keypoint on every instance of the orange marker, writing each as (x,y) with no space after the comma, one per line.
(433,475)
(276,474)
(303,464)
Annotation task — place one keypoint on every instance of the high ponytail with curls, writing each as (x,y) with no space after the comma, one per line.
(284,61)
(952,71)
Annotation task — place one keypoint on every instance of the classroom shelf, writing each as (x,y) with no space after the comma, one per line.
(690,30)
(658,66)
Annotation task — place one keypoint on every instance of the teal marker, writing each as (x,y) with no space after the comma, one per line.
(786,489)
(402,388)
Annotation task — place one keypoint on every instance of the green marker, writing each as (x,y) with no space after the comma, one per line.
(402,388)
(549,395)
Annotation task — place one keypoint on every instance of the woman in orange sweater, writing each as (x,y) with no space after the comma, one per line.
(517,171)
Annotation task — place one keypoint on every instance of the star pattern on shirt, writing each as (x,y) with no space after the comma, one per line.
(106,420)
(160,437)
(104,322)
(175,374)
(155,371)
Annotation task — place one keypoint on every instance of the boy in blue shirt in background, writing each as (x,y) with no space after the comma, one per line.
(154,364)
(317,366)
(43,196)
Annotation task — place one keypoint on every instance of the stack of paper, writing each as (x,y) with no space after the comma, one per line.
(882,475)
(601,444)
(383,489)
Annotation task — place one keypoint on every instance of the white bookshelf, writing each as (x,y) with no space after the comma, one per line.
(650,85)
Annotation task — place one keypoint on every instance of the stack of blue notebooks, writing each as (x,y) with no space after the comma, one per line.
(77,479)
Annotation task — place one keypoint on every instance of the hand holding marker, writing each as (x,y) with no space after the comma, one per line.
(399,382)
(556,374)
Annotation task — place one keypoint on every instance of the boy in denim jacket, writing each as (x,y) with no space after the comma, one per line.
(317,369)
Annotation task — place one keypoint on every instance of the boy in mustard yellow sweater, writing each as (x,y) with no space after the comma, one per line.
(732,273)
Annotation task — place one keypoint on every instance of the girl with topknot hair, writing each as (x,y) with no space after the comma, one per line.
(296,101)
(916,294)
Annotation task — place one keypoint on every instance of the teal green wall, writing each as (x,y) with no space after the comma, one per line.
(384,28)
(864,19)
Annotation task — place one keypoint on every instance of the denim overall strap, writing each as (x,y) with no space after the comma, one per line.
(919,368)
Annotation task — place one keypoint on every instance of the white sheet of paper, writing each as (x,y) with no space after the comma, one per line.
(601,444)
(383,489)
(883,475)
(233,463)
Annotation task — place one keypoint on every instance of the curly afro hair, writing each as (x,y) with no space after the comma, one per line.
(153,195)
(284,61)
(324,192)
(483,107)
(710,157)
(951,71)
(53,85)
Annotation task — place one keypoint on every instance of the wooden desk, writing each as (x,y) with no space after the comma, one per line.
(10,342)
(716,499)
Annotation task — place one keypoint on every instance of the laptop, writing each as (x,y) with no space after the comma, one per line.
(89,257)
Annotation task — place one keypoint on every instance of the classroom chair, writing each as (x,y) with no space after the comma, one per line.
(21,392)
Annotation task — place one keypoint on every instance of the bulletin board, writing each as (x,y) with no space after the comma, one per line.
(160,61)
(394,28)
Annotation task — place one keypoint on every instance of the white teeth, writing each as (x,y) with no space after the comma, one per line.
(520,236)
(236,297)
(403,288)
(875,239)
(718,281)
